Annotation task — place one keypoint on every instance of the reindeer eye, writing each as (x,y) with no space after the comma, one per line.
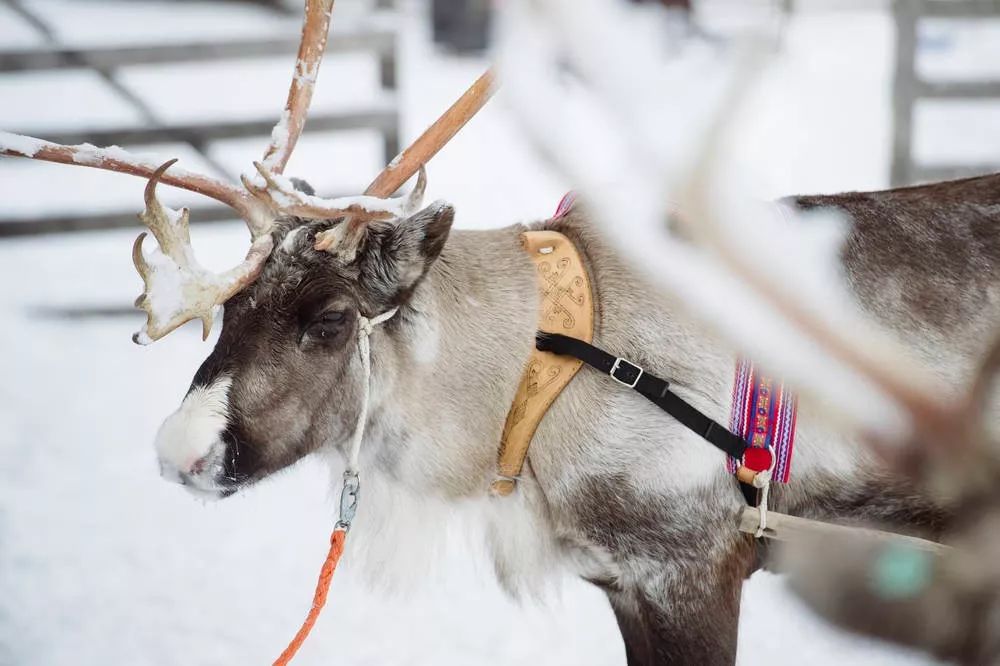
(332,318)
(327,325)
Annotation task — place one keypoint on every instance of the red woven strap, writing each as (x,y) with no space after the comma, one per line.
(565,204)
(763,415)
(319,598)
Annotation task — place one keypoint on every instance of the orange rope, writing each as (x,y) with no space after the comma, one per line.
(319,599)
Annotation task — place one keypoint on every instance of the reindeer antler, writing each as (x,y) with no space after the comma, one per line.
(257,217)
(284,136)
(434,137)
(177,288)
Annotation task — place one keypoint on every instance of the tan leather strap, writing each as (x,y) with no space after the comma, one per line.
(567,307)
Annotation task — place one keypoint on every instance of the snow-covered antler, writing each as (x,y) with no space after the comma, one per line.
(177,288)
(257,217)
(315,30)
(279,194)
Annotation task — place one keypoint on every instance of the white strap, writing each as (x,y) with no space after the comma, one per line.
(365,328)
(763,481)
(763,510)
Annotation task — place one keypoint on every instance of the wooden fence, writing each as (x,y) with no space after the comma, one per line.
(910,88)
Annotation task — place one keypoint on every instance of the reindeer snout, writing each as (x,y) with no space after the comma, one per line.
(189,444)
(183,474)
(187,455)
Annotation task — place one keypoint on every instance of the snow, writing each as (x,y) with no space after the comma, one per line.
(25,145)
(15,32)
(975,134)
(103,562)
(167,279)
(279,137)
(90,155)
(306,72)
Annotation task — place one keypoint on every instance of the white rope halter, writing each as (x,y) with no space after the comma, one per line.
(365,328)
(352,484)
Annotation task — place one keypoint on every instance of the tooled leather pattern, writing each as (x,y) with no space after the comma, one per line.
(566,306)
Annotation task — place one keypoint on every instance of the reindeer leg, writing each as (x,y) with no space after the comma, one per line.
(676,566)
(681,612)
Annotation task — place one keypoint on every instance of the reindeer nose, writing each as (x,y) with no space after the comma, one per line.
(175,474)
(190,439)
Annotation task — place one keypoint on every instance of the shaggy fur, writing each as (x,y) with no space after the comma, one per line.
(614,490)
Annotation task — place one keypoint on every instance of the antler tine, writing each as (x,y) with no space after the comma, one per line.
(171,230)
(176,288)
(281,197)
(342,240)
(284,136)
(416,196)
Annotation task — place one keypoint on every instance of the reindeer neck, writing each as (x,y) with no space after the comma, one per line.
(458,353)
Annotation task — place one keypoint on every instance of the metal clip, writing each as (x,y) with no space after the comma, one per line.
(349,499)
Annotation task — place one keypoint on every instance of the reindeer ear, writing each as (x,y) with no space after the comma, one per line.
(415,242)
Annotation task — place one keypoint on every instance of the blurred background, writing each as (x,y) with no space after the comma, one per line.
(101,561)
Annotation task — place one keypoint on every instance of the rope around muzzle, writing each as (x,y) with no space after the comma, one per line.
(348,496)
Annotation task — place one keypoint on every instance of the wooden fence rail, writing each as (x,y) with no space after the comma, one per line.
(909,88)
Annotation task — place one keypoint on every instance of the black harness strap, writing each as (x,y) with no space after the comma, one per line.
(656,390)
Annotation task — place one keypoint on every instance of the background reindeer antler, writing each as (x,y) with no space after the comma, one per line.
(657,137)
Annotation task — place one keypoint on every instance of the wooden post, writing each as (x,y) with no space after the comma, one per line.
(906,14)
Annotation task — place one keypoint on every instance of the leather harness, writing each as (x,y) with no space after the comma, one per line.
(567,307)
(563,345)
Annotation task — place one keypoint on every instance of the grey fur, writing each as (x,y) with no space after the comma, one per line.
(615,489)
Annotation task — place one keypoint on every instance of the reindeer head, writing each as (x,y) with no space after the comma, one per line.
(285,377)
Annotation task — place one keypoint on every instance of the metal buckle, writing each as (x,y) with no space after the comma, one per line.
(618,366)
(349,499)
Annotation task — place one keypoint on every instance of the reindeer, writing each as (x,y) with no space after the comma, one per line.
(614,491)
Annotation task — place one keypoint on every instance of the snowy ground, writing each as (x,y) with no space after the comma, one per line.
(102,562)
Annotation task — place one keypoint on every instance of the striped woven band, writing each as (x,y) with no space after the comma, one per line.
(763,415)
(565,204)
